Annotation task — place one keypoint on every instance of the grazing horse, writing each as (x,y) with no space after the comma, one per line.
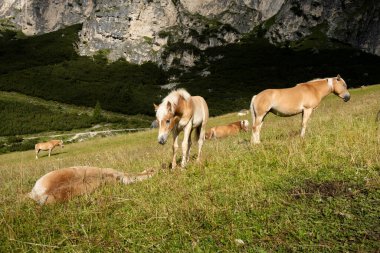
(302,98)
(179,111)
(63,184)
(230,129)
(49,145)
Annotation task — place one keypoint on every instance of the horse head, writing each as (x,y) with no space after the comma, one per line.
(339,88)
(166,119)
(244,124)
(61,144)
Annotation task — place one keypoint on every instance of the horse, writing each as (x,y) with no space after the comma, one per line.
(63,184)
(179,111)
(230,129)
(302,98)
(49,145)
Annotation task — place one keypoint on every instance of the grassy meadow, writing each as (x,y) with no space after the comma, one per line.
(320,194)
(25,117)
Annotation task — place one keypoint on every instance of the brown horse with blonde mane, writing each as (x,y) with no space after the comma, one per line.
(179,111)
(302,98)
(227,130)
(63,184)
(49,145)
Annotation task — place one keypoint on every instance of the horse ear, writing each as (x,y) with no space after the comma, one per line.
(155,107)
(169,106)
(338,77)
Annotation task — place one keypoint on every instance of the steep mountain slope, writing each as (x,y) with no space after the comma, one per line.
(149,30)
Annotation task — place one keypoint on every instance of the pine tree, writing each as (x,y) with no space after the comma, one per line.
(97,114)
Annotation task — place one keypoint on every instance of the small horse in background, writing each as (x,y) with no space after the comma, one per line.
(302,98)
(179,111)
(63,184)
(227,130)
(49,145)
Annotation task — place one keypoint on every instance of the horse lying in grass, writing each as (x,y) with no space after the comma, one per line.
(179,111)
(302,98)
(63,184)
(49,145)
(227,130)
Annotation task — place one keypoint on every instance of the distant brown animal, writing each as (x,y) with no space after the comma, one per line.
(179,111)
(49,145)
(63,184)
(302,98)
(227,130)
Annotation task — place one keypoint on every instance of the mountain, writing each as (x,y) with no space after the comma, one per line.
(175,32)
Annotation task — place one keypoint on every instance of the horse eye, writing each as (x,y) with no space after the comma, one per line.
(168,121)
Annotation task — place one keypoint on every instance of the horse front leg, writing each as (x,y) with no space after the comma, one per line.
(305,117)
(37,151)
(175,148)
(185,143)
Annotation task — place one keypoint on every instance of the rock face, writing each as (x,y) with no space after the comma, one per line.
(354,22)
(174,32)
(42,16)
(142,31)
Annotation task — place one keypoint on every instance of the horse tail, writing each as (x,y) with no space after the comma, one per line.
(252,109)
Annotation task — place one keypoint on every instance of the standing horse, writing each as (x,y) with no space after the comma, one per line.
(50,145)
(179,111)
(302,98)
(227,130)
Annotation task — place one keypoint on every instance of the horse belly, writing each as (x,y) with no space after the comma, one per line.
(200,115)
(287,102)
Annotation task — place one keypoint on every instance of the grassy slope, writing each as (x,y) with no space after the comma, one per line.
(25,116)
(43,112)
(317,195)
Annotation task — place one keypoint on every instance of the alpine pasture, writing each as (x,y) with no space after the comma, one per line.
(317,194)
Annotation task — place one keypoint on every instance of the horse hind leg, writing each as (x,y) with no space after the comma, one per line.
(256,129)
(200,133)
(256,123)
(189,147)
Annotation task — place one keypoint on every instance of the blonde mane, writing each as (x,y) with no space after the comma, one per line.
(173,96)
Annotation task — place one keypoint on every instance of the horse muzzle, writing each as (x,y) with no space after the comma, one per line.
(162,139)
(346,98)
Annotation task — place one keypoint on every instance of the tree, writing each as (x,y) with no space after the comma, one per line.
(97,114)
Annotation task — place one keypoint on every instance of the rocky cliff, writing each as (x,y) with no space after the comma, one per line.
(176,31)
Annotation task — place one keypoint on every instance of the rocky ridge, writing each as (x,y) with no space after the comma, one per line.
(174,32)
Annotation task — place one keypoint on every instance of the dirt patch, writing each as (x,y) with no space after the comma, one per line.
(324,189)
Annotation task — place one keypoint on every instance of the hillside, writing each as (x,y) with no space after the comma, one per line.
(320,194)
(27,120)
(47,66)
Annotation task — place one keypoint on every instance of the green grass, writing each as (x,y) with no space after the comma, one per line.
(26,116)
(320,194)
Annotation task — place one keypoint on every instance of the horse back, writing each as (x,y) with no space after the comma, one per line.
(63,184)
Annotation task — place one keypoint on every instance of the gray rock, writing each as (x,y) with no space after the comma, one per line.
(175,32)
